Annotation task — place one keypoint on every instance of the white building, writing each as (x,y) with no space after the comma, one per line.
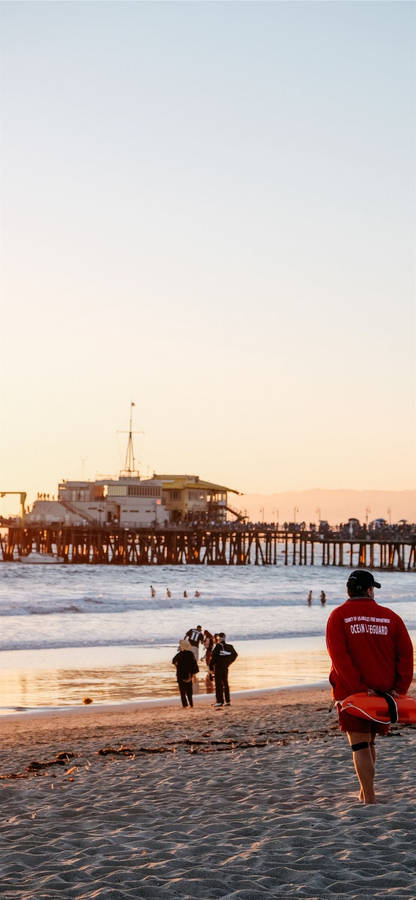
(129,502)
(126,501)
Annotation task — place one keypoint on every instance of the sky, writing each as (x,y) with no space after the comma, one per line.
(208,209)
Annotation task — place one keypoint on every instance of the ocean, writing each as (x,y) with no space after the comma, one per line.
(68,632)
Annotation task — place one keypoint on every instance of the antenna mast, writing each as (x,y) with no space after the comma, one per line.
(130,470)
(130,462)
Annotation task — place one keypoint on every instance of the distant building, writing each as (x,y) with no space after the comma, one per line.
(127,501)
(188,498)
(130,502)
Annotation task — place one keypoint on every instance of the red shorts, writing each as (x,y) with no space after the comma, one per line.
(347,722)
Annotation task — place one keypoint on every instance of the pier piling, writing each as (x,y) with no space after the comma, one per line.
(221,546)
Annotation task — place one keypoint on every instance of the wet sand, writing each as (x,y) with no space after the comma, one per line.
(258,800)
(52,677)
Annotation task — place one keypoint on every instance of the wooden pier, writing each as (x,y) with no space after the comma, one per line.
(221,546)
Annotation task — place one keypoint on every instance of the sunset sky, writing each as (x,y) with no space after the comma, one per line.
(209,209)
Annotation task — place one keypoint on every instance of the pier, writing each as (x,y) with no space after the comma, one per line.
(222,546)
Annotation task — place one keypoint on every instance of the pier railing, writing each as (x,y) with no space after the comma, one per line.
(259,546)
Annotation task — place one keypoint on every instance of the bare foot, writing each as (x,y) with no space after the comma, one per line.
(362,799)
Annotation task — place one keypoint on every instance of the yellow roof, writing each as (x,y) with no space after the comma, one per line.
(186,482)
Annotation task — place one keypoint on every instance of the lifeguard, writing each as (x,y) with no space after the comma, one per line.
(371,652)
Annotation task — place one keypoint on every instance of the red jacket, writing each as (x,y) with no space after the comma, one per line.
(370,647)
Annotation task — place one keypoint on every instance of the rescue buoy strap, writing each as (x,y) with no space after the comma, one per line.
(392,705)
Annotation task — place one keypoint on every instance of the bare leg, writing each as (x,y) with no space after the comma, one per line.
(373,754)
(364,764)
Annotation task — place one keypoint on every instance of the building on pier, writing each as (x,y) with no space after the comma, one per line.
(131,502)
(188,499)
(127,501)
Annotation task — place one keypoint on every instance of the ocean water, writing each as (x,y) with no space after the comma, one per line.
(68,631)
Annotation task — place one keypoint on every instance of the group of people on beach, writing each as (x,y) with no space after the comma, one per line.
(218,656)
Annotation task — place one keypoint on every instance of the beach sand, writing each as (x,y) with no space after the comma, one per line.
(258,800)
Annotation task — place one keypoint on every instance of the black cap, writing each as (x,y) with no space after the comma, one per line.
(362,579)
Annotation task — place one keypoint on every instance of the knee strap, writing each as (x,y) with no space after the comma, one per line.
(360,746)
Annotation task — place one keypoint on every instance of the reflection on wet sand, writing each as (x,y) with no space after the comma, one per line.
(68,686)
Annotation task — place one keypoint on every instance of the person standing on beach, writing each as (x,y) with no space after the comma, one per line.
(208,644)
(323,598)
(186,668)
(223,655)
(371,651)
(195,638)
(310,598)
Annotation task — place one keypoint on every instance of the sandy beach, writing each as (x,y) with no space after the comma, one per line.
(252,801)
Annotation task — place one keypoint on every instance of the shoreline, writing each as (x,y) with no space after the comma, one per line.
(129,674)
(34,682)
(149,703)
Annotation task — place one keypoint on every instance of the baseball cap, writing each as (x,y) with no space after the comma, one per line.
(362,579)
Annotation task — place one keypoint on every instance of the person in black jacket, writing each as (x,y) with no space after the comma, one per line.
(222,656)
(186,668)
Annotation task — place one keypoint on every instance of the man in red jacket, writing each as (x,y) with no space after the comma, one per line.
(370,650)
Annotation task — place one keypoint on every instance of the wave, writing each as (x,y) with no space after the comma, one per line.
(169,641)
(81,604)
(19,606)
(72,608)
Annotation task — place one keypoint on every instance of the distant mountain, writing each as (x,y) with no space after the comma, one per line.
(333,505)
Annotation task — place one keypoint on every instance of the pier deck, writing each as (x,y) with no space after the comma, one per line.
(259,546)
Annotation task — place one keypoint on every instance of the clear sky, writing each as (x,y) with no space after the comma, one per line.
(209,209)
